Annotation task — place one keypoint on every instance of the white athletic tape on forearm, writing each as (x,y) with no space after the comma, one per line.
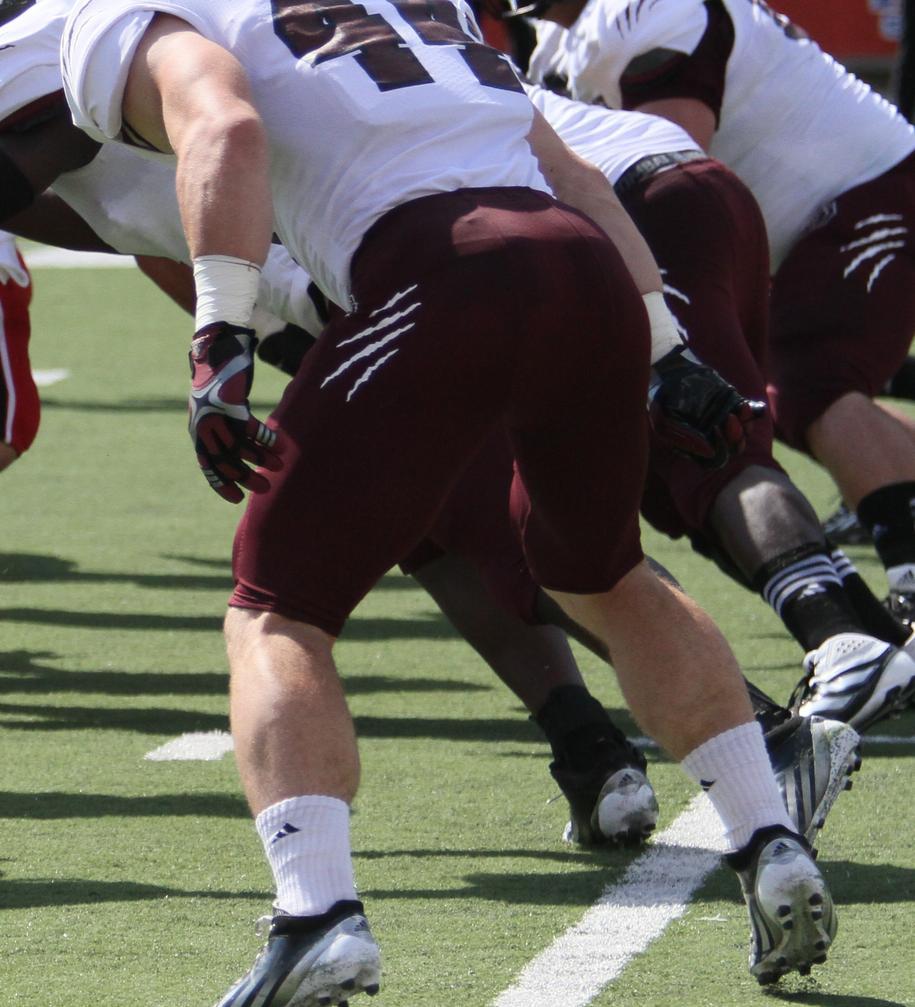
(226,289)
(664,335)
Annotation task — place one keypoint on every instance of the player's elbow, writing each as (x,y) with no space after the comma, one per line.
(232,136)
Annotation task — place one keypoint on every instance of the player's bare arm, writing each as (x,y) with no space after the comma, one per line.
(31,159)
(50,220)
(190,96)
(692,408)
(578,183)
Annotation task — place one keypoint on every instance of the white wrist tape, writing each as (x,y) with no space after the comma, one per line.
(226,289)
(664,335)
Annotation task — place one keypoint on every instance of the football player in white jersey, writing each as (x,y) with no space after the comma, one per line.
(399,159)
(747,515)
(832,167)
(130,200)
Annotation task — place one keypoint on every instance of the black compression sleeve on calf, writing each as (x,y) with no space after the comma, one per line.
(16,192)
(887,514)
(578,728)
(875,619)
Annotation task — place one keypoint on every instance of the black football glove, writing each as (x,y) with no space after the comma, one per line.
(695,412)
(224,432)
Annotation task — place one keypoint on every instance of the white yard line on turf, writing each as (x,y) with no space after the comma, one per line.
(654,891)
(61,258)
(205,746)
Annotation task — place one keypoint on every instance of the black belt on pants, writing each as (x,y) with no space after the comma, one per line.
(650,165)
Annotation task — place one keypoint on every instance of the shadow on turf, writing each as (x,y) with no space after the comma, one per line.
(51,806)
(40,893)
(22,672)
(35,568)
(864,883)
(390,582)
(169,722)
(819,999)
(24,567)
(161,405)
(365,629)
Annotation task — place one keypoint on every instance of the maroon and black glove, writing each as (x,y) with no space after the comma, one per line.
(224,432)
(695,412)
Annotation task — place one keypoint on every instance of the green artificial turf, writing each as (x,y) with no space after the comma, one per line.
(126,881)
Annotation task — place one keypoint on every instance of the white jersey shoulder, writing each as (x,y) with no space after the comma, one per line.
(129,203)
(611,139)
(399,102)
(607,36)
(796,127)
(30,56)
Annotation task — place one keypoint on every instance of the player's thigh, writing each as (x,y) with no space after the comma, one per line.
(581,458)
(382,418)
(843,304)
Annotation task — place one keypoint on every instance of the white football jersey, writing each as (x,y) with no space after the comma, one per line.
(363,113)
(611,139)
(10,266)
(128,200)
(30,57)
(794,125)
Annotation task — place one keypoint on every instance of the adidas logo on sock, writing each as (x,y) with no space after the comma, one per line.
(286,830)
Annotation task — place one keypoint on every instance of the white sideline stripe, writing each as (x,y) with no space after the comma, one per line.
(198,746)
(50,377)
(62,258)
(654,891)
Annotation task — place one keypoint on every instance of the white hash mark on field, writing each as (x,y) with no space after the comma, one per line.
(199,746)
(629,915)
(44,379)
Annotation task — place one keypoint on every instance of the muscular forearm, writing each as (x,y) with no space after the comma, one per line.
(189,96)
(223,192)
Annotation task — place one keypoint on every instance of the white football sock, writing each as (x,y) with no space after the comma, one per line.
(306,840)
(733,768)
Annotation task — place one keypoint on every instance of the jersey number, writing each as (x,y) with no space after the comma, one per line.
(332,28)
